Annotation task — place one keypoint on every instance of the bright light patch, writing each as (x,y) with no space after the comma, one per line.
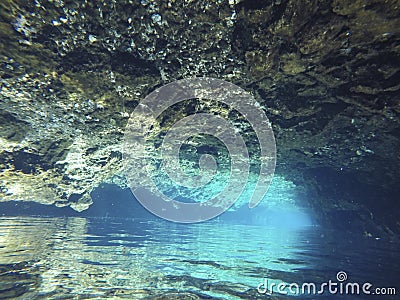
(281,207)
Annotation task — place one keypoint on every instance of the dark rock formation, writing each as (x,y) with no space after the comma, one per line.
(325,72)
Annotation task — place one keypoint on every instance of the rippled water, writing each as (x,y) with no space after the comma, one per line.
(62,258)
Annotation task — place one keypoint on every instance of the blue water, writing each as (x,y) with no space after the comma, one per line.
(111,258)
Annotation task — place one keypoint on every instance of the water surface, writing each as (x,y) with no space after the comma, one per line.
(60,258)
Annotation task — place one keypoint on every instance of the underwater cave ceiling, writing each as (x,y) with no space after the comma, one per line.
(325,72)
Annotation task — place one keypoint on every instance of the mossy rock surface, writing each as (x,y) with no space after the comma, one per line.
(325,72)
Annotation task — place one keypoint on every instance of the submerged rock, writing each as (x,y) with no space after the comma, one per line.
(325,72)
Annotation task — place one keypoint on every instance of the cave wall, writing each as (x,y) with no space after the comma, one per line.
(325,72)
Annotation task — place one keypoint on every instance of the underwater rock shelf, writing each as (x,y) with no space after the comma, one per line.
(325,72)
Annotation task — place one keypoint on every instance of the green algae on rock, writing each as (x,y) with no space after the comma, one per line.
(325,72)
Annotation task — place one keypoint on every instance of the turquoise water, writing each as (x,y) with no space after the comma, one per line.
(92,258)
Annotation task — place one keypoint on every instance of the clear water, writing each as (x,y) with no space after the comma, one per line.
(84,258)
